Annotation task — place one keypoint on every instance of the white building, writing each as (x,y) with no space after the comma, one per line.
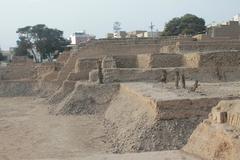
(81,37)
(149,35)
(236,18)
(120,34)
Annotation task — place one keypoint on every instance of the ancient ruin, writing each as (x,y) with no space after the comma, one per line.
(125,96)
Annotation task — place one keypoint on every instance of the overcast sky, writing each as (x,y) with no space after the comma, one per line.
(97,16)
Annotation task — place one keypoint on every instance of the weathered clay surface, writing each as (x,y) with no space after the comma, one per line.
(215,140)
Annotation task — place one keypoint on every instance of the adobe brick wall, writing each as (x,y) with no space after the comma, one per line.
(201,46)
(213,59)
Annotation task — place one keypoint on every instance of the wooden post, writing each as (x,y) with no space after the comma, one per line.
(177,79)
(100,74)
(195,86)
(183,81)
(164,76)
(222,117)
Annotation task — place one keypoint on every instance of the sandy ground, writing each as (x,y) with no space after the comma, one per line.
(28,132)
(164,155)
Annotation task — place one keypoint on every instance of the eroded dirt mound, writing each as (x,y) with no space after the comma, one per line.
(133,125)
(62,93)
(127,119)
(87,99)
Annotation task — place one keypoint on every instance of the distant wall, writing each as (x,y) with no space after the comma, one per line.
(113,47)
(231,29)
(205,74)
(126,61)
(137,74)
(201,46)
(21,60)
(83,67)
(18,88)
(63,57)
(159,60)
(17,73)
(213,59)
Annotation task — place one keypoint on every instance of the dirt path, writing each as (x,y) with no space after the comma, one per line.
(27,131)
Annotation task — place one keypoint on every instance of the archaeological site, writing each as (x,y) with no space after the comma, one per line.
(167,98)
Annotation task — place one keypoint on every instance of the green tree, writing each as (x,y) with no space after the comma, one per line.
(40,39)
(1,55)
(23,47)
(186,25)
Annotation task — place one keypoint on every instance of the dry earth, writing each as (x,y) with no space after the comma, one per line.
(28,132)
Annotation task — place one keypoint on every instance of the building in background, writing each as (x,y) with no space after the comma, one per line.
(149,35)
(81,37)
(229,30)
(135,34)
(110,35)
(120,34)
(236,18)
(117,35)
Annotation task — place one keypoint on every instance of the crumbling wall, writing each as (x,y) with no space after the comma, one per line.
(172,48)
(18,73)
(231,112)
(21,68)
(136,123)
(48,71)
(222,65)
(137,74)
(165,60)
(143,60)
(62,93)
(63,57)
(225,59)
(85,65)
(201,46)
(21,60)
(119,48)
(126,61)
(191,60)
(68,67)
(86,99)
(78,76)
(18,88)
(216,139)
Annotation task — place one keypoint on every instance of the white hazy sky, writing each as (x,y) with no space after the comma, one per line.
(97,16)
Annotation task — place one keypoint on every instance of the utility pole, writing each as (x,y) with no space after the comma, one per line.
(152,27)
